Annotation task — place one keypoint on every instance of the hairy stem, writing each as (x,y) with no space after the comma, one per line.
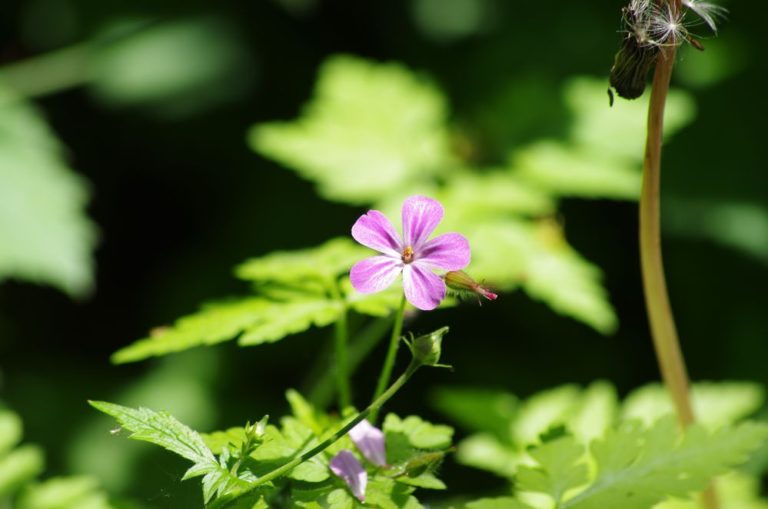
(389,360)
(373,407)
(662,322)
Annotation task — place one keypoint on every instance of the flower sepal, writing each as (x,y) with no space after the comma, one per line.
(426,349)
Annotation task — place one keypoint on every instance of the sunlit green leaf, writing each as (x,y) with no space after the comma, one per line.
(45,236)
(563,470)
(369,130)
(638,467)
(497,503)
(322,264)
(619,131)
(715,404)
(572,171)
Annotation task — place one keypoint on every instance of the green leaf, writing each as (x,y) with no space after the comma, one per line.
(573,171)
(10,431)
(322,264)
(256,320)
(19,467)
(715,404)
(64,493)
(564,469)
(162,429)
(619,131)
(217,441)
(512,252)
(385,493)
(478,409)
(478,196)
(405,437)
(487,452)
(638,467)
(370,130)
(284,319)
(213,324)
(45,235)
(497,503)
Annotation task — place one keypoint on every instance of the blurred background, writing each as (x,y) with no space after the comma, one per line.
(129,191)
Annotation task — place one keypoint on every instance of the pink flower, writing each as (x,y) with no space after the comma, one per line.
(369,440)
(413,254)
(349,469)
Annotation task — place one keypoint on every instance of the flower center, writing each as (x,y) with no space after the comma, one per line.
(407,255)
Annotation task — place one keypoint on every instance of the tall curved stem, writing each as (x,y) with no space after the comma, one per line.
(662,322)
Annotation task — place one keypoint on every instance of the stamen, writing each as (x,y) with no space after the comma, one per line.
(407,255)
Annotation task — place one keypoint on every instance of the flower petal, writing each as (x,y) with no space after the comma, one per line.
(374,274)
(423,288)
(369,440)
(346,466)
(421,215)
(374,230)
(448,252)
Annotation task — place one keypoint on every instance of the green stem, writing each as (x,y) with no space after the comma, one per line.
(373,407)
(342,361)
(321,385)
(389,360)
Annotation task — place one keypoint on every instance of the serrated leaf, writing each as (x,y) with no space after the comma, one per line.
(45,235)
(286,318)
(215,323)
(161,429)
(19,467)
(369,130)
(564,469)
(421,434)
(322,264)
(638,467)
(255,320)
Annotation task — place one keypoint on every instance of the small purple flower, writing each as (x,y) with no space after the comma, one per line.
(369,440)
(349,469)
(413,254)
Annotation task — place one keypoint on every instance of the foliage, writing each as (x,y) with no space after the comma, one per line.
(294,291)
(20,465)
(374,133)
(45,236)
(584,450)
(232,460)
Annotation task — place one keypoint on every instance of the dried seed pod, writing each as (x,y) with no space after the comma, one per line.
(632,64)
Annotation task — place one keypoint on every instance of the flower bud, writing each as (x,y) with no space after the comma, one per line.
(426,349)
(460,282)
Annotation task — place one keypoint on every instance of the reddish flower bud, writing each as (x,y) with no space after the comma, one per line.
(460,282)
